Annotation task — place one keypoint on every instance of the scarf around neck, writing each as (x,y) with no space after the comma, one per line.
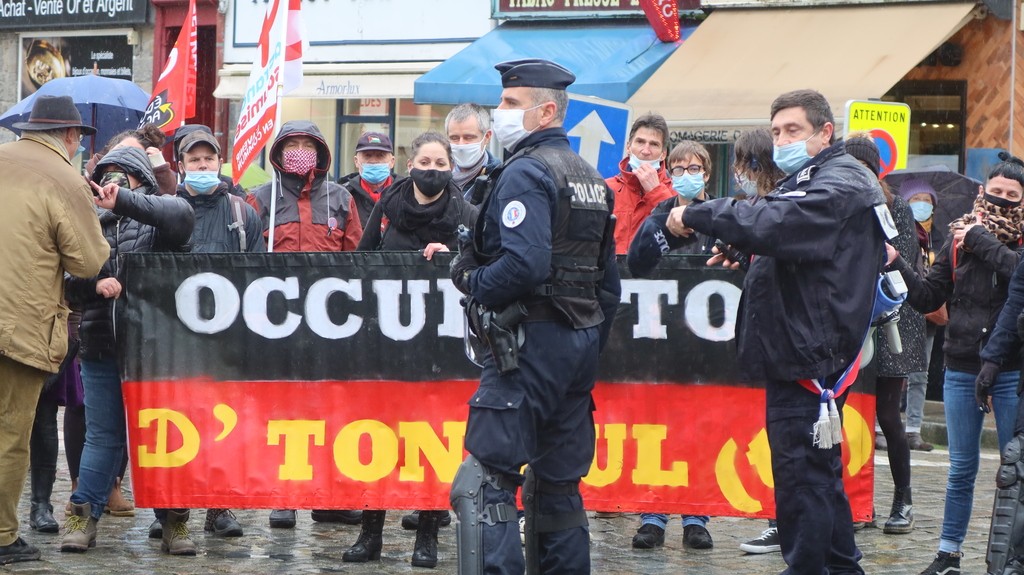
(1003,223)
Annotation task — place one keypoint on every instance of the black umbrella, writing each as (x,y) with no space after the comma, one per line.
(955,193)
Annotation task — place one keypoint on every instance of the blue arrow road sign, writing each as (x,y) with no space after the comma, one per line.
(598,130)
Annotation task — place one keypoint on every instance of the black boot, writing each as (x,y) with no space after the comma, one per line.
(901,518)
(424,554)
(370,540)
(43,470)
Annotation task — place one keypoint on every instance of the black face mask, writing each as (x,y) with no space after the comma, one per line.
(430,183)
(1000,202)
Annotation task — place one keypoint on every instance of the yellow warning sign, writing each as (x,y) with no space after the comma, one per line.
(889,125)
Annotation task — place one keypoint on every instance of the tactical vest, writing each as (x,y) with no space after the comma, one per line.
(578,241)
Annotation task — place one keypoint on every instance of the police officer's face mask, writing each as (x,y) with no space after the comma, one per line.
(508,126)
(430,183)
(793,155)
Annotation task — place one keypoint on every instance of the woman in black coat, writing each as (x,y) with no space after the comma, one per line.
(421,212)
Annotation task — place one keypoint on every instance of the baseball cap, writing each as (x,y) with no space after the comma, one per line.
(198,137)
(374,141)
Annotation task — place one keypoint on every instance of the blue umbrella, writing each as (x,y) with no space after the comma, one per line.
(111,105)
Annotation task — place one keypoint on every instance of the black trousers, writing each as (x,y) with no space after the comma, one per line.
(813,513)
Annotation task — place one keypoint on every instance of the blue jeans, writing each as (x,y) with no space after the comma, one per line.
(917,386)
(661,520)
(105,433)
(964,422)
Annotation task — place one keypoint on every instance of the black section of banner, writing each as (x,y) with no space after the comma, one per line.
(388,316)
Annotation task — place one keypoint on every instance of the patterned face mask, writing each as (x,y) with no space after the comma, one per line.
(299,161)
(115,177)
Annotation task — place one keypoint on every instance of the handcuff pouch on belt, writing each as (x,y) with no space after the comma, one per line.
(501,331)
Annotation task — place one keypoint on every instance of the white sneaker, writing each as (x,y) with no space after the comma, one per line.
(768,542)
(522,530)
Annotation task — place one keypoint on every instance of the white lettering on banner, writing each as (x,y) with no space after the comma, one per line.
(254,307)
(393,296)
(697,308)
(389,307)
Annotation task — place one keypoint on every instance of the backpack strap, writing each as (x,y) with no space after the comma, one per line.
(237,210)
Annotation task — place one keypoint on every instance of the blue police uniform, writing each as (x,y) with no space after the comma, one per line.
(540,413)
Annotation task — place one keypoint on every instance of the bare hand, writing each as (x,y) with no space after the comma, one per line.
(648,177)
(433,248)
(109,288)
(675,223)
(152,151)
(106,196)
(890,254)
(719,259)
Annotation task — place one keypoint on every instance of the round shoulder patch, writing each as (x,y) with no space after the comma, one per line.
(514,214)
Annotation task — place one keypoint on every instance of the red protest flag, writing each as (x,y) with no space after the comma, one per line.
(174,94)
(664,18)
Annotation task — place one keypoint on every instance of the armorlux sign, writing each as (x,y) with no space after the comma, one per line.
(340,381)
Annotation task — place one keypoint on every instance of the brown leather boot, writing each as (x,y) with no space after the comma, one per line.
(176,538)
(79,529)
(117,505)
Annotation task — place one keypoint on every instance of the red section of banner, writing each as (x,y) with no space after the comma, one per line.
(174,94)
(664,18)
(669,448)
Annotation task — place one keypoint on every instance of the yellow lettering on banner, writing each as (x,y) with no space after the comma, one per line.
(160,457)
(420,438)
(729,480)
(648,459)
(759,455)
(860,439)
(615,434)
(384,450)
(296,434)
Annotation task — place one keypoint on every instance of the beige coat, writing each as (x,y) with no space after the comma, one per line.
(48,225)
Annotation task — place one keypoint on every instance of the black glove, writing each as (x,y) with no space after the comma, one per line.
(983,385)
(461,267)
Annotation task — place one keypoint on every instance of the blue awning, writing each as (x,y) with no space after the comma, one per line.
(610,61)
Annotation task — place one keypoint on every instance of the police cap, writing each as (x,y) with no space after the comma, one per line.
(534,73)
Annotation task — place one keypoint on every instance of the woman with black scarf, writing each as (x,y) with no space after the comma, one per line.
(421,212)
(424,210)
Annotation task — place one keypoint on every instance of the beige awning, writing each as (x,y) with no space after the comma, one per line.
(737,61)
(335,81)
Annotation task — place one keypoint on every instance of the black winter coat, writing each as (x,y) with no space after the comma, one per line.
(818,249)
(406,228)
(974,291)
(364,202)
(141,221)
(216,228)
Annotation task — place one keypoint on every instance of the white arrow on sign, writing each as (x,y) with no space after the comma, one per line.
(592,133)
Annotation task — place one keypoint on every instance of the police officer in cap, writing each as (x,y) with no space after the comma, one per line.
(542,265)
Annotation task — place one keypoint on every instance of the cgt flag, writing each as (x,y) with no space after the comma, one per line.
(277,72)
(664,18)
(174,95)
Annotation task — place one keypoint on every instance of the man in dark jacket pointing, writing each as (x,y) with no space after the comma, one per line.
(807,300)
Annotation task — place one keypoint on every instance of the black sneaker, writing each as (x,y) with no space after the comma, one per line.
(18,551)
(944,564)
(648,537)
(222,523)
(768,542)
(697,537)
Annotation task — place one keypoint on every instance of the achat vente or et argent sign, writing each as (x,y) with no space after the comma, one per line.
(317,380)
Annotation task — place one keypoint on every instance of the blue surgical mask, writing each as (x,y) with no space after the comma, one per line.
(746,186)
(202,182)
(375,173)
(922,210)
(79,151)
(688,186)
(791,156)
(635,162)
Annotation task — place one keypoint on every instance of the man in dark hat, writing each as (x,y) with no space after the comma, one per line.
(375,164)
(180,134)
(534,405)
(48,225)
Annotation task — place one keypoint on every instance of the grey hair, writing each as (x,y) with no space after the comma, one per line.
(559,97)
(463,112)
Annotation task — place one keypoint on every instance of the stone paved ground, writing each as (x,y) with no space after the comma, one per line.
(317,548)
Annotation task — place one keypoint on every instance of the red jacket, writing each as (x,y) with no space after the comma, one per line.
(632,205)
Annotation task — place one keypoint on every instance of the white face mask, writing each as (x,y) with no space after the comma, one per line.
(466,155)
(508,126)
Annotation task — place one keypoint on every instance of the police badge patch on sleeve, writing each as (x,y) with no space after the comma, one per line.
(514,214)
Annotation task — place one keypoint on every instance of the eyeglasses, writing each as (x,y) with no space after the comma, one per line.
(692,169)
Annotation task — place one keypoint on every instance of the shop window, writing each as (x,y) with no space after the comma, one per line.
(938,110)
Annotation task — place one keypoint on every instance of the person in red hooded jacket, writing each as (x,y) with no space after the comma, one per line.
(642,182)
(313,214)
